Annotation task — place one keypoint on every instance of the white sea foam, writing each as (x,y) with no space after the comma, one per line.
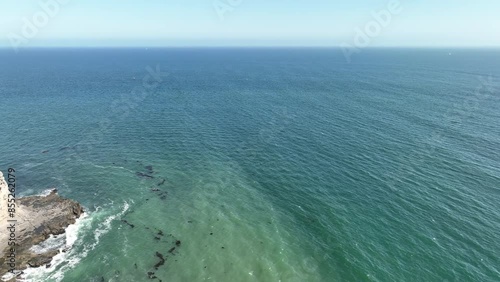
(52,243)
(31,165)
(8,276)
(106,225)
(60,242)
(65,261)
(30,192)
(46,192)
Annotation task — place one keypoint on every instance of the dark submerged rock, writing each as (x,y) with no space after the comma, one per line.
(161,262)
(151,275)
(128,223)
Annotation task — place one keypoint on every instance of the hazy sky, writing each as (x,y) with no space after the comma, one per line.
(251,22)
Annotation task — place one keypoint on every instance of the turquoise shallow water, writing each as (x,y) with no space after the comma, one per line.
(270,164)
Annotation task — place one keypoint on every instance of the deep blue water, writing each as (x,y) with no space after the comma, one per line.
(279,164)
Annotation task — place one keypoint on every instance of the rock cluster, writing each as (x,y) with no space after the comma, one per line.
(4,192)
(37,217)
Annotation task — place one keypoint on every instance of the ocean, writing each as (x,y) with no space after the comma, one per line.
(261,164)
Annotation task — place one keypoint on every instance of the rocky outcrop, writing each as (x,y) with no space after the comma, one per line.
(4,192)
(37,217)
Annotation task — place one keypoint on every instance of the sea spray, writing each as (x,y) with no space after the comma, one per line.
(73,251)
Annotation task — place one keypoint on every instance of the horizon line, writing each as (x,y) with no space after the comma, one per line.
(249,46)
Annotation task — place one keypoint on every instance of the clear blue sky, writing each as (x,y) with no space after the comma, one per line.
(253,22)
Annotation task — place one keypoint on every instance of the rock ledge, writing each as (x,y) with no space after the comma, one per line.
(37,217)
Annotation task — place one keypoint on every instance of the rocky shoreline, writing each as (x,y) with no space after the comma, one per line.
(38,217)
